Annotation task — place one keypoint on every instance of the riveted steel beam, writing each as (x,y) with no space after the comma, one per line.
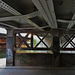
(8,8)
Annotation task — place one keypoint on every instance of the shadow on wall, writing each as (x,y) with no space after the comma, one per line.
(67,60)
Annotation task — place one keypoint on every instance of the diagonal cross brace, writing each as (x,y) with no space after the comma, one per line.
(23,40)
(66,41)
(41,40)
(69,40)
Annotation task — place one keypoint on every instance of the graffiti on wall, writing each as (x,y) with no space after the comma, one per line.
(9,48)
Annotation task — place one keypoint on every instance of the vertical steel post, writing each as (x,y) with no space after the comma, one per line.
(56,51)
(31,40)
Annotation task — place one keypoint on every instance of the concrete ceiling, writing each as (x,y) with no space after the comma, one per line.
(37,14)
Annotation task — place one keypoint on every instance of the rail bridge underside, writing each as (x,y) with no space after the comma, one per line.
(52,22)
(57,42)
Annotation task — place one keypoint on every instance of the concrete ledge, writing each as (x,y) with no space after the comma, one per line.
(38,68)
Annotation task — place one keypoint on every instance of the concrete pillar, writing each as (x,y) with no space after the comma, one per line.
(10,48)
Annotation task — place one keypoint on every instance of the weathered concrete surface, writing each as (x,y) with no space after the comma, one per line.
(34,60)
(36,71)
(2,62)
(10,48)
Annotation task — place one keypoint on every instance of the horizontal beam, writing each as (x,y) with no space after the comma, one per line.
(51,31)
(67,49)
(31,15)
(4,24)
(65,21)
(70,25)
(45,26)
(34,49)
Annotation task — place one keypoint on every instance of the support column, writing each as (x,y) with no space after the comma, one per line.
(10,48)
(56,45)
(56,51)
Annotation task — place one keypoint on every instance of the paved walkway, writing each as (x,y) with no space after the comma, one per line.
(2,62)
(35,71)
(19,70)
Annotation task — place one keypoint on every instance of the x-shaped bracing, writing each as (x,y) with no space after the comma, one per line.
(41,40)
(69,40)
(23,40)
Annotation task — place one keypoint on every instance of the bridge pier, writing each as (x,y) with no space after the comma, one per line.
(10,48)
